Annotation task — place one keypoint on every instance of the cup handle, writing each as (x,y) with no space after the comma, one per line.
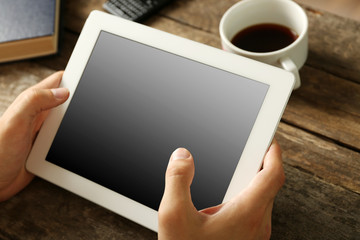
(290,66)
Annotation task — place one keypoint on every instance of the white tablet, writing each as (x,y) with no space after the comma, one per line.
(137,94)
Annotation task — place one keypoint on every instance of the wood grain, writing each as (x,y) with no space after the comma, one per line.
(16,77)
(324,104)
(334,44)
(310,208)
(335,51)
(319,135)
(48,212)
(317,81)
(321,158)
(344,8)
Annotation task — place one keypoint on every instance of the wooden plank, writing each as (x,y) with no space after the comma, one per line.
(306,202)
(324,104)
(16,77)
(344,8)
(185,12)
(201,14)
(335,51)
(309,106)
(320,199)
(327,105)
(45,211)
(184,31)
(322,158)
(76,12)
(333,41)
(76,16)
(334,44)
(309,208)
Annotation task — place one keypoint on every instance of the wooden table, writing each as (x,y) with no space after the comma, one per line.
(319,134)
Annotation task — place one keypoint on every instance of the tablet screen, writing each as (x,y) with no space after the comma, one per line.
(136,104)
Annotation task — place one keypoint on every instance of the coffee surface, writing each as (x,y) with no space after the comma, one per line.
(265,37)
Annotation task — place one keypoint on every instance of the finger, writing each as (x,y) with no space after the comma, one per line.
(273,156)
(273,168)
(265,229)
(266,184)
(271,178)
(34,101)
(179,175)
(21,181)
(52,81)
(212,210)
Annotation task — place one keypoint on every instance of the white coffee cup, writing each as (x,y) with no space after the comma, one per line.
(247,13)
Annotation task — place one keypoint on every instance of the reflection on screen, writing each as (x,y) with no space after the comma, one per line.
(136,104)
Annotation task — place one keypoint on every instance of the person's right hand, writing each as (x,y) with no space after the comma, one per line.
(246,216)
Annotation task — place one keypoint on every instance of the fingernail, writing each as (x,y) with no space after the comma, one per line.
(180,153)
(60,93)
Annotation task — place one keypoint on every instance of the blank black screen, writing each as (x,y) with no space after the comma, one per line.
(136,104)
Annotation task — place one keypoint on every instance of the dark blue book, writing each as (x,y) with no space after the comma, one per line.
(28,28)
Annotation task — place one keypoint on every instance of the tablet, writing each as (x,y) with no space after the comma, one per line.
(137,94)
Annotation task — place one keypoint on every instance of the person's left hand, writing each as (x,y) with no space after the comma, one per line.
(18,128)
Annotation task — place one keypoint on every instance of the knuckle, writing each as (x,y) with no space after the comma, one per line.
(169,215)
(33,99)
(31,95)
(280,176)
(166,214)
(179,168)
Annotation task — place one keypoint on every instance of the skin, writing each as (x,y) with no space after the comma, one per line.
(246,216)
(18,128)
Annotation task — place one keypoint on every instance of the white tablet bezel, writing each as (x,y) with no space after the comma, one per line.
(280,86)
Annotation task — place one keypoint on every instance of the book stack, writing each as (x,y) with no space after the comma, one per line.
(28,28)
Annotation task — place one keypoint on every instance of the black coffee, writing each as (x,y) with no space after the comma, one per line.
(265,37)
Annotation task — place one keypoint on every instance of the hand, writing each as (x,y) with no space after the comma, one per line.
(246,216)
(18,128)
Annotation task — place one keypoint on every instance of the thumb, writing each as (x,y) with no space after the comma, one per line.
(179,175)
(35,101)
